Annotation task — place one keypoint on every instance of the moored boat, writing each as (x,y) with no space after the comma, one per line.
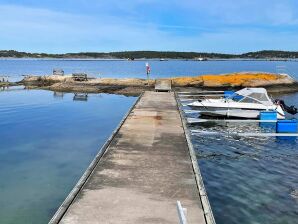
(246,103)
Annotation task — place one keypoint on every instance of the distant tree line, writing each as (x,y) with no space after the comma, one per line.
(268,54)
(271,54)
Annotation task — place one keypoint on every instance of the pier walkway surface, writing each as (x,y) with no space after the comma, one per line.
(145,170)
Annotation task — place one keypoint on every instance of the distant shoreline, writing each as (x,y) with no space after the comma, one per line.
(153,55)
(146,59)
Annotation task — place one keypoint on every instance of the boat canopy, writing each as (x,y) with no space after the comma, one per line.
(255,94)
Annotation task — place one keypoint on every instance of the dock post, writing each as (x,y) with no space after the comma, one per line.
(181,213)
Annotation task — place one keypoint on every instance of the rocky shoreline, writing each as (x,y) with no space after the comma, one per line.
(274,83)
(7,84)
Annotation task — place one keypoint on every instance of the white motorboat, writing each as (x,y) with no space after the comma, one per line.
(245,103)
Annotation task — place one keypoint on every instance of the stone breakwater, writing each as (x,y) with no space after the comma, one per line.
(133,86)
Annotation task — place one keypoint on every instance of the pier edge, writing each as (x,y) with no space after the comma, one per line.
(79,185)
(209,217)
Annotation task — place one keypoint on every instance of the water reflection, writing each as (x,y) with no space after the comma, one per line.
(281,139)
(58,95)
(80,97)
(268,126)
(248,179)
(46,144)
(4,88)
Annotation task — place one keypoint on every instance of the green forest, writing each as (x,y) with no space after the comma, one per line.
(268,54)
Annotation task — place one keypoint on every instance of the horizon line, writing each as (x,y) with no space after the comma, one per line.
(158,51)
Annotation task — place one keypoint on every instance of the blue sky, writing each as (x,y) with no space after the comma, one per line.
(224,26)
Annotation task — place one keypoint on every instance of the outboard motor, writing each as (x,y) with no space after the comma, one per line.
(290,109)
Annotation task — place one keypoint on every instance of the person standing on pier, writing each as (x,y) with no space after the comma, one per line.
(148,70)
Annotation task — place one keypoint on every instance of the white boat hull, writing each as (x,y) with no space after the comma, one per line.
(230,113)
(234,110)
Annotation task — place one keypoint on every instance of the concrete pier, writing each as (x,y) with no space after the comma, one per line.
(146,168)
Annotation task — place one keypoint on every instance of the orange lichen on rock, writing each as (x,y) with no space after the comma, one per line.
(239,79)
(233,79)
(187,81)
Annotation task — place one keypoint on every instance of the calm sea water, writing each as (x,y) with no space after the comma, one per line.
(16,68)
(48,139)
(249,179)
(47,142)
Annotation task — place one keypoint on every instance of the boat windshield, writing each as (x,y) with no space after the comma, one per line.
(254,95)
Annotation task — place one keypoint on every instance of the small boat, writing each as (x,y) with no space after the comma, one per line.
(246,103)
(201,59)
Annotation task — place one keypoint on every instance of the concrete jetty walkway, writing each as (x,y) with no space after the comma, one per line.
(144,171)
